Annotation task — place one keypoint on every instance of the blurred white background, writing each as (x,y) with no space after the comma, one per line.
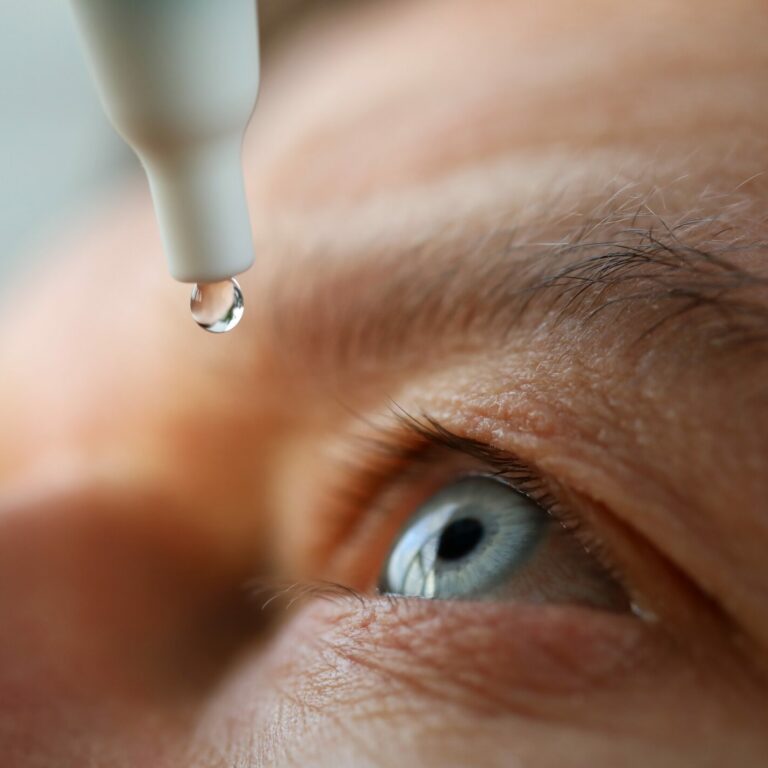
(56,148)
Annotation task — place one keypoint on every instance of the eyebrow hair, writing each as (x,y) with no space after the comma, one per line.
(662,266)
(617,268)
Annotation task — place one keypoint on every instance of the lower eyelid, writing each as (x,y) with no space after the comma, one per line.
(485,654)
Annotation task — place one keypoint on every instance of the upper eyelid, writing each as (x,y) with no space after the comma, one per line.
(403,444)
(435,433)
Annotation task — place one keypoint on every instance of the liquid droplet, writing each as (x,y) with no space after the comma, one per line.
(217,307)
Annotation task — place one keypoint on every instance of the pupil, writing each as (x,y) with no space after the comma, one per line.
(459,538)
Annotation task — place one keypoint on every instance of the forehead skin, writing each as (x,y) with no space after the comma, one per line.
(400,124)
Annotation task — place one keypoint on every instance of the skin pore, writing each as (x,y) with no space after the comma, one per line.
(539,226)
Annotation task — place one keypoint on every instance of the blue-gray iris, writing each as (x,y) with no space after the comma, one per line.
(466,539)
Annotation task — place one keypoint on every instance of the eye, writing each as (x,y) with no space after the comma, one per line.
(478,538)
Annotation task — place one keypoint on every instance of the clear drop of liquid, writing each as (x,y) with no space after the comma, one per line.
(217,307)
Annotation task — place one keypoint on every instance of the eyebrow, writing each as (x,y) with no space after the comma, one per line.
(636,271)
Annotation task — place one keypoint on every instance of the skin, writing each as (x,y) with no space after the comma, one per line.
(147,470)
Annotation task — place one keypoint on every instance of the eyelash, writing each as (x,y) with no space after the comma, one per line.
(401,450)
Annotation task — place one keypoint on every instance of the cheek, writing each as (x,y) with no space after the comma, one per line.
(449,683)
(115,619)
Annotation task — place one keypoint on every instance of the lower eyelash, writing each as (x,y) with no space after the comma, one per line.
(275,595)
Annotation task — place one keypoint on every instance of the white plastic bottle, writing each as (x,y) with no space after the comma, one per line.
(179,80)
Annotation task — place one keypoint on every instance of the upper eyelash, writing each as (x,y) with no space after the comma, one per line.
(399,448)
(505,465)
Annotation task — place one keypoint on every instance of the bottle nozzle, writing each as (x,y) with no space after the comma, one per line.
(179,80)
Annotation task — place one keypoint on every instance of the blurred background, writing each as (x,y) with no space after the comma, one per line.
(57,151)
